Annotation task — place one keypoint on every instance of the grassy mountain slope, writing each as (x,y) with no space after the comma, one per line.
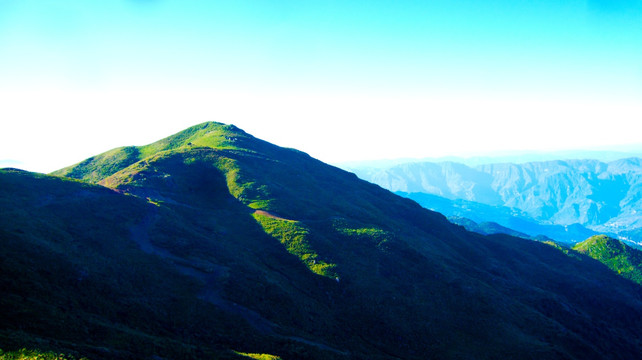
(100,166)
(615,254)
(213,243)
(86,271)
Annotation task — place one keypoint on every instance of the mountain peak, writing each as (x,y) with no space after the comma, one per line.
(601,241)
(207,134)
(615,254)
(212,135)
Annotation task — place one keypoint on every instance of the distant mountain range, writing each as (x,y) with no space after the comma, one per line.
(213,244)
(503,157)
(510,219)
(602,197)
(490,228)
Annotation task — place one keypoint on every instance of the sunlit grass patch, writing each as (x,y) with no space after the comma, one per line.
(259,356)
(30,354)
(294,235)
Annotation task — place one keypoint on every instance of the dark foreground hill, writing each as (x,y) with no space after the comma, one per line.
(213,244)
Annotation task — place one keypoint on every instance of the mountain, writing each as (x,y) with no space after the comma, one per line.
(632,237)
(513,157)
(603,197)
(512,220)
(214,244)
(487,227)
(615,254)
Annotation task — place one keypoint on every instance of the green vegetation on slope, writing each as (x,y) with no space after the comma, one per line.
(615,254)
(260,356)
(294,236)
(209,134)
(209,251)
(71,273)
(29,354)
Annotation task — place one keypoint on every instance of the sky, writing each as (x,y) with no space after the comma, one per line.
(341,80)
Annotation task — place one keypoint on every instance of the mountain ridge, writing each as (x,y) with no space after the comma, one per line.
(511,218)
(603,197)
(208,250)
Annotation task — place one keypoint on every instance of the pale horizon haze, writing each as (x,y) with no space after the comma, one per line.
(340,80)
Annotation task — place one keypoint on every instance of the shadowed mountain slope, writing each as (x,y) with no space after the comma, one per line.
(213,242)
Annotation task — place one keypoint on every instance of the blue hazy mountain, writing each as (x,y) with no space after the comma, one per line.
(604,197)
(480,218)
(489,228)
(514,157)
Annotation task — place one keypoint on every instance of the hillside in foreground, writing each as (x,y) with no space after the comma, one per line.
(212,243)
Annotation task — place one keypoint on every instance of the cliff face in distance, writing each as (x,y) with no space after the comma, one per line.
(212,243)
(603,197)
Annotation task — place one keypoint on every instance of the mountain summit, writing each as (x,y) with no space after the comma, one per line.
(207,135)
(212,243)
(615,254)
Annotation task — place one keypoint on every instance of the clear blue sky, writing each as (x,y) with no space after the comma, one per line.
(341,80)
